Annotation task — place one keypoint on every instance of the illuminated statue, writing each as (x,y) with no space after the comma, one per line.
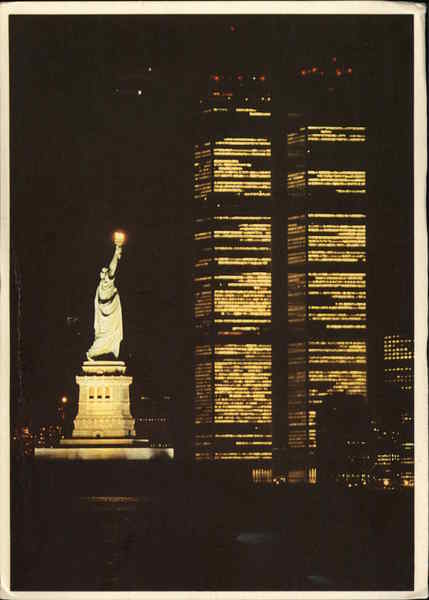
(107,305)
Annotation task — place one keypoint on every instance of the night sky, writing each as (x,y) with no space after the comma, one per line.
(86,161)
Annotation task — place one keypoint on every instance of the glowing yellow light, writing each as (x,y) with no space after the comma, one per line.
(119,238)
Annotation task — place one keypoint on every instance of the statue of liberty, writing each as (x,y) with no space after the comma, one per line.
(108,331)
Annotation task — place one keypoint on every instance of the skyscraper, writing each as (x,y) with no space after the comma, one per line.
(232,271)
(327,276)
(398,396)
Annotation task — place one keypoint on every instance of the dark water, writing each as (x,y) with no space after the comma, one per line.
(188,537)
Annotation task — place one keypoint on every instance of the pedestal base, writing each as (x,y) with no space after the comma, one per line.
(75,450)
(104,428)
(104,401)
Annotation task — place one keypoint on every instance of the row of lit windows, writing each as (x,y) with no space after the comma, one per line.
(252,152)
(262,436)
(244,141)
(295,138)
(228,173)
(296,298)
(203,390)
(262,475)
(393,354)
(243,299)
(341,134)
(327,133)
(249,111)
(296,240)
(337,280)
(397,347)
(336,178)
(247,188)
(236,169)
(203,304)
(337,352)
(326,243)
(403,382)
(337,235)
(252,261)
(345,256)
(252,112)
(330,382)
(296,180)
(243,455)
(387,459)
(202,171)
(243,383)
(334,215)
(252,445)
(337,299)
(244,231)
(240,303)
(326,178)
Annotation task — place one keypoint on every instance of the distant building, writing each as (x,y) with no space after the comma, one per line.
(153,422)
(399,364)
(22,442)
(344,451)
(48,436)
(394,427)
(232,273)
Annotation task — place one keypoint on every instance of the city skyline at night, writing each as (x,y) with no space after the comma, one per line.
(148,208)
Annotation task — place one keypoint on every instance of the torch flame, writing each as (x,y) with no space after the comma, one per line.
(119,238)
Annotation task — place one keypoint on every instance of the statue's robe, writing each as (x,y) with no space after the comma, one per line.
(107,320)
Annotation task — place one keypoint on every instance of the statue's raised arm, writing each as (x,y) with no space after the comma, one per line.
(114,262)
(108,331)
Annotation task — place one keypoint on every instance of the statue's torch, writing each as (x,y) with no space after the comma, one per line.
(119,238)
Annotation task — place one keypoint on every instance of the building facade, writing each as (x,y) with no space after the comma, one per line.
(153,422)
(232,272)
(327,217)
(395,448)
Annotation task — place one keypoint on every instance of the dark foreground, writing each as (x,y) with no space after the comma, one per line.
(174,529)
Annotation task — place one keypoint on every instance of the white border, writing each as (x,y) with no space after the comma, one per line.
(279,7)
(420,273)
(4,307)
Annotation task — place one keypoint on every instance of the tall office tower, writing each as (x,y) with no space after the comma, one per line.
(398,393)
(232,273)
(327,280)
(327,275)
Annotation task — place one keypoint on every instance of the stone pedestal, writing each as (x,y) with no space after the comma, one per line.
(104,401)
(104,428)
